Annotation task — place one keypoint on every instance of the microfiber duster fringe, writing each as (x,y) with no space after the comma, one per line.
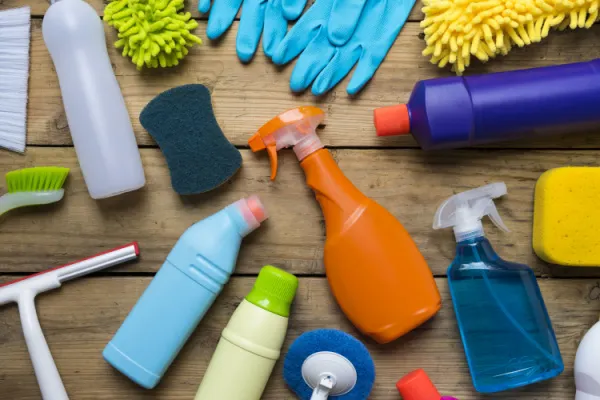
(152,32)
(457,30)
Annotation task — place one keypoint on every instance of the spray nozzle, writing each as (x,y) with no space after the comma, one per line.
(465,210)
(296,127)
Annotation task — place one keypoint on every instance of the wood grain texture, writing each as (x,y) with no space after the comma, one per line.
(247,96)
(81,317)
(410,183)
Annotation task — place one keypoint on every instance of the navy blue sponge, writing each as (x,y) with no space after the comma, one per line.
(337,342)
(181,120)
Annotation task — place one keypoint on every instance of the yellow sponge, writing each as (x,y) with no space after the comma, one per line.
(566,221)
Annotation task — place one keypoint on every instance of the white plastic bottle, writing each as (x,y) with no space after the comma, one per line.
(98,119)
(251,343)
(587,366)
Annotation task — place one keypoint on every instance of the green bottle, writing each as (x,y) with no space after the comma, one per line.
(251,343)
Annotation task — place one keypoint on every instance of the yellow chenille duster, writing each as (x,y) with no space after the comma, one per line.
(456,30)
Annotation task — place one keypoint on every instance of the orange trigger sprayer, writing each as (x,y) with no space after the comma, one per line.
(377,275)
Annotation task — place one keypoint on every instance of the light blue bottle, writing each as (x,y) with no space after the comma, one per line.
(181,293)
(504,326)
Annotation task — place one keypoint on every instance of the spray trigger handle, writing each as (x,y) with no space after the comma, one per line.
(257,143)
(465,210)
(492,212)
(296,128)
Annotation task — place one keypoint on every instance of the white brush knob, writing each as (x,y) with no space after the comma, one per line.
(329,374)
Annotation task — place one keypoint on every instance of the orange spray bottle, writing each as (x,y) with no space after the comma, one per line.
(376,272)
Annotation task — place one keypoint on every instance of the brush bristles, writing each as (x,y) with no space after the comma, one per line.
(38,179)
(14,76)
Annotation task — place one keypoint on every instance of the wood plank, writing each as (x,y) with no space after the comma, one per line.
(39,7)
(81,317)
(410,183)
(246,96)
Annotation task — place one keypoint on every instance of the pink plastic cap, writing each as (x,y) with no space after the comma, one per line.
(392,120)
(253,212)
(257,208)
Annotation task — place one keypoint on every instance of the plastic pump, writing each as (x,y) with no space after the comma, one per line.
(294,128)
(464,211)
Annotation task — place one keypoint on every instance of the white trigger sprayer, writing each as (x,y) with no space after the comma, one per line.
(464,211)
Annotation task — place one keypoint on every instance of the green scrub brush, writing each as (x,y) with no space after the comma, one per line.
(33,186)
(152,32)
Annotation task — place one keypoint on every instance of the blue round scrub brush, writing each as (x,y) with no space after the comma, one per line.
(329,363)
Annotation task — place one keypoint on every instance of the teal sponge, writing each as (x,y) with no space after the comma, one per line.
(182,122)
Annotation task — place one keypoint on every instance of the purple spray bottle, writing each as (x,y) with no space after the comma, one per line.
(454,112)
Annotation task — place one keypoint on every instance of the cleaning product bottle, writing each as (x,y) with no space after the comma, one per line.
(98,119)
(506,331)
(416,385)
(587,366)
(377,275)
(461,111)
(251,342)
(181,293)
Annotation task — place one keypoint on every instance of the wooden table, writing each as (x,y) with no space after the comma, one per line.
(80,318)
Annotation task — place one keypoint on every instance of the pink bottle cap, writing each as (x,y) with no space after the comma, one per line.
(257,208)
(252,211)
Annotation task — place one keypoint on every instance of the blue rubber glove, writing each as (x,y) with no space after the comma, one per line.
(335,35)
(272,16)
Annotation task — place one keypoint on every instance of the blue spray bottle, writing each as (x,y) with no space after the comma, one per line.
(505,328)
(181,293)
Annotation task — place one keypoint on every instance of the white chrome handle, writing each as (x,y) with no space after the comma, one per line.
(46,372)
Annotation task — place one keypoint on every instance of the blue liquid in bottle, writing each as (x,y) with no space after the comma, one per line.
(505,328)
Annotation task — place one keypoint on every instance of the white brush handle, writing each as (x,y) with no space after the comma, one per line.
(323,389)
(46,372)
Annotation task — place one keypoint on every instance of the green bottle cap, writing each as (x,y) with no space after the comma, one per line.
(274,290)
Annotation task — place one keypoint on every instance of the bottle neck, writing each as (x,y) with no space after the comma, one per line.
(337,196)
(475,249)
(307,146)
(467,231)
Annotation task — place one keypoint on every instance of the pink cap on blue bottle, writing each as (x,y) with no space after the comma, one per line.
(253,211)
